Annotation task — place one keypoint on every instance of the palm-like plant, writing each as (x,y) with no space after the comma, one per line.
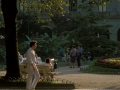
(47,46)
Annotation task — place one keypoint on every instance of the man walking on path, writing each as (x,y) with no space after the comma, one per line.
(31,66)
(79,55)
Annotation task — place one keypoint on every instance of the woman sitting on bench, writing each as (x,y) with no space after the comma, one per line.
(49,64)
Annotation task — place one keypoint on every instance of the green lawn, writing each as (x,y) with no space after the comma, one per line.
(97,69)
(92,68)
(63,64)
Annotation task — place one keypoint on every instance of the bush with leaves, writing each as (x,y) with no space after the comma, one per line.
(46,46)
(49,47)
(2,54)
(86,30)
(29,25)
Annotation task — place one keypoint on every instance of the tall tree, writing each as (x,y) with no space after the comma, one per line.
(9,10)
(93,36)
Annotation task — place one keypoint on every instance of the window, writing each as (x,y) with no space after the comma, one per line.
(102,8)
(72,3)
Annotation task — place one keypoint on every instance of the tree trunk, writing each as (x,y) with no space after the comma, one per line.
(9,9)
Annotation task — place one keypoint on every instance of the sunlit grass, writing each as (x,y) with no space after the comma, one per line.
(96,69)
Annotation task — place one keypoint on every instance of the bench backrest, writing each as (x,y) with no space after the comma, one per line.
(23,68)
(46,70)
(42,68)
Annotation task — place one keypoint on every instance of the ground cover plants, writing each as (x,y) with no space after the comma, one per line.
(104,65)
(110,62)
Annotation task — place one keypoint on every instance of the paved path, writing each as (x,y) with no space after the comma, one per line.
(87,81)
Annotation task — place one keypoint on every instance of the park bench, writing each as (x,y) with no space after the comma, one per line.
(23,70)
(44,71)
(47,74)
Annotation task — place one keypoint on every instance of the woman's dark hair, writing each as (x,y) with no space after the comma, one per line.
(32,43)
(47,60)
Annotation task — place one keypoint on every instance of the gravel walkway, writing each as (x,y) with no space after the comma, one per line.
(89,81)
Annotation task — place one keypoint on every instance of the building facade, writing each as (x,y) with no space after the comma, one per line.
(111,9)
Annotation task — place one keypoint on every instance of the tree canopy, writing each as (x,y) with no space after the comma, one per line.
(47,7)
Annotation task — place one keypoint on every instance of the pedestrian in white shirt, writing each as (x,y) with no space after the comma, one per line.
(32,68)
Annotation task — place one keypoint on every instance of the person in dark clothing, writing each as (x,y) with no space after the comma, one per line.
(73,56)
(79,50)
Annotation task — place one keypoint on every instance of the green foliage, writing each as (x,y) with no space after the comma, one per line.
(2,54)
(100,70)
(1,20)
(83,28)
(2,31)
(29,40)
(30,26)
(106,65)
(64,24)
(48,7)
(93,67)
(39,13)
(2,50)
(1,24)
(22,47)
(47,46)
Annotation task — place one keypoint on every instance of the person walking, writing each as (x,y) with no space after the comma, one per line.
(31,66)
(79,50)
(73,56)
